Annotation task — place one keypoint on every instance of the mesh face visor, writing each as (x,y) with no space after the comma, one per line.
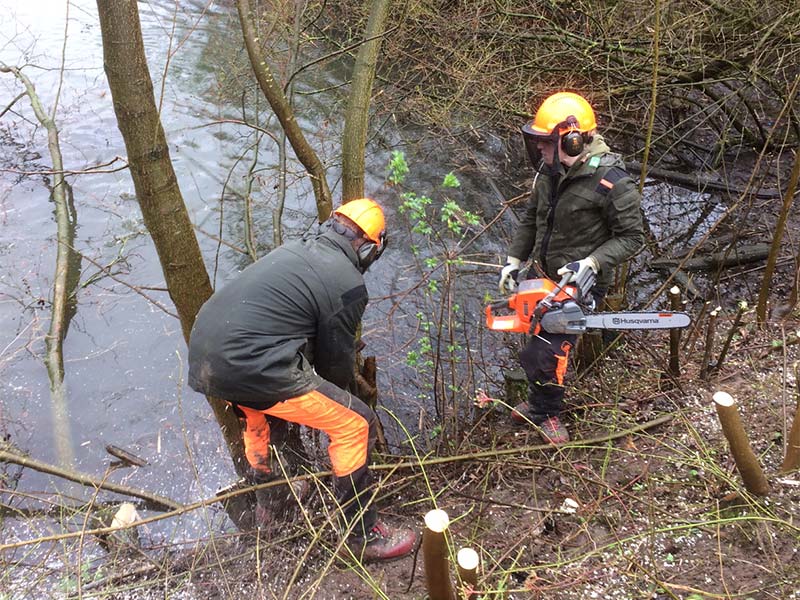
(531,140)
(530,146)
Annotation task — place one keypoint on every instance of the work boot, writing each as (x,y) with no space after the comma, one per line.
(551,428)
(519,414)
(383,542)
(553,431)
(263,517)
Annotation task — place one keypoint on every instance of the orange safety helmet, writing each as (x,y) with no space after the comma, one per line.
(563,115)
(557,113)
(368,215)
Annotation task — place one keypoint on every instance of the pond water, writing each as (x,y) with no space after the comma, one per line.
(125,358)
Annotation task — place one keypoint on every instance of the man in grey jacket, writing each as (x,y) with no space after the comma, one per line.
(278,342)
(583,218)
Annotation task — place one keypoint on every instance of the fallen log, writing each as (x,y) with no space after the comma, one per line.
(732,258)
(699,183)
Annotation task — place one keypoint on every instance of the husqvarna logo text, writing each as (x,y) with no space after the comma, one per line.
(634,321)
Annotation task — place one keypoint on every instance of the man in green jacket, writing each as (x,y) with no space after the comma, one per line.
(584,211)
(279,342)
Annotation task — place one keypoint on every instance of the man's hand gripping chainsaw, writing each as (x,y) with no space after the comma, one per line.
(556,308)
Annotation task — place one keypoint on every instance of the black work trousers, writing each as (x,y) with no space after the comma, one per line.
(545,359)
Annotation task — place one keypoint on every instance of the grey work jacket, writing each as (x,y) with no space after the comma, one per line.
(284,323)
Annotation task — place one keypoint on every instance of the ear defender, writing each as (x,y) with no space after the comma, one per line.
(370,251)
(572,142)
(367,253)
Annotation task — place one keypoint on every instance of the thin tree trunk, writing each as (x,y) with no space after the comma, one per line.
(467,562)
(746,461)
(791,459)
(354,137)
(706,368)
(283,110)
(154,180)
(65,279)
(675,334)
(435,555)
(788,198)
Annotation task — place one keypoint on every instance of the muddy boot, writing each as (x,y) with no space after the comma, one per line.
(383,542)
(522,415)
(264,518)
(552,431)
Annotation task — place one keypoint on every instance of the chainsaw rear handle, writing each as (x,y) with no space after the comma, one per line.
(499,305)
(502,322)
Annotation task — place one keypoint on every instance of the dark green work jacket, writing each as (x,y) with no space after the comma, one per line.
(592,209)
(285,323)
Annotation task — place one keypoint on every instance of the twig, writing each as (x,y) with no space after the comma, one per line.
(711,330)
(128,285)
(154,500)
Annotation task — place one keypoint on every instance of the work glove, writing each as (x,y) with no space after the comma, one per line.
(584,273)
(509,275)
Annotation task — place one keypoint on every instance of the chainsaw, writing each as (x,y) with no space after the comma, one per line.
(555,307)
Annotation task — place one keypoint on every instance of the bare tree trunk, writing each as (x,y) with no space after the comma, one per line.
(65,279)
(154,179)
(283,110)
(354,138)
(763,295)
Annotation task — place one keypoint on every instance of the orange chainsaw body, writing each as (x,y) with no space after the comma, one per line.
(522,304)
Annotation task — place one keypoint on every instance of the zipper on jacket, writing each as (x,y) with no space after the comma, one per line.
(555,180)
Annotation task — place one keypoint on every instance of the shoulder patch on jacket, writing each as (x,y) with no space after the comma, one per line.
(610,179)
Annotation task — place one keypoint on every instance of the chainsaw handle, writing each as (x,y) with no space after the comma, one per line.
(499,305)
(546,302)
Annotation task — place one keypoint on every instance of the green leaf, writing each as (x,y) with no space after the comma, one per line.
(398,167)
(450,181)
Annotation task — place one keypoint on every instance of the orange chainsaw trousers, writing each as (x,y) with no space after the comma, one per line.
(351,427)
